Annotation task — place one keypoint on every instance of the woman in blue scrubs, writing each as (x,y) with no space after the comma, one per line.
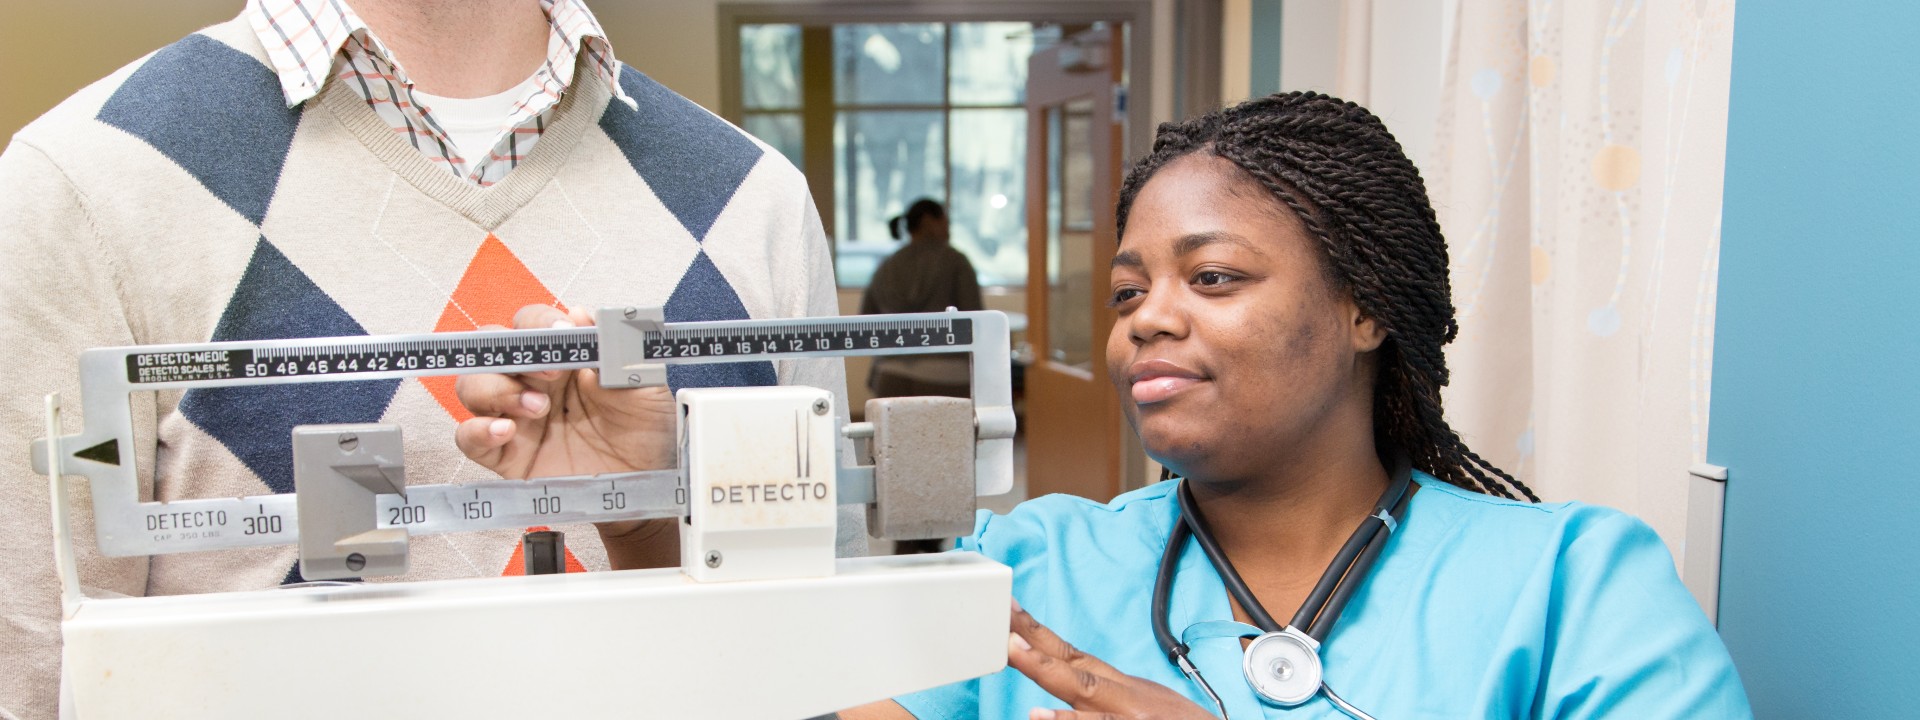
(1282,298)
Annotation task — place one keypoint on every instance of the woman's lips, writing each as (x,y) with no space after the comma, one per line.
(1158,380)
(1151,390)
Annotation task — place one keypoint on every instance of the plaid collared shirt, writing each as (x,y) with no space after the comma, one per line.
(311,42)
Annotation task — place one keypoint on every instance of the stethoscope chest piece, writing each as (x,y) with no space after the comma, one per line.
(1283,667)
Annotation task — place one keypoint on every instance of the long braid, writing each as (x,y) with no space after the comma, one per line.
(1348,181)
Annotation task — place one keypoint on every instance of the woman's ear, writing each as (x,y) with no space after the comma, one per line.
(1367,333)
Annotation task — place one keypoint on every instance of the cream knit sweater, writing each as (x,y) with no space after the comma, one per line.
(179,200)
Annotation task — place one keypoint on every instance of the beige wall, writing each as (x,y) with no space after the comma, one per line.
(48,50)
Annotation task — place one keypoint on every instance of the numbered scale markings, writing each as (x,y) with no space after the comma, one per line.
(820,338)
(216,523)
(523,350)
(208,524)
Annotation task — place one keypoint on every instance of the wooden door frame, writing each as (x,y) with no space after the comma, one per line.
(1105,176)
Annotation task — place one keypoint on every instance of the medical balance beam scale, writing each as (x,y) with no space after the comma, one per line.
(760,621)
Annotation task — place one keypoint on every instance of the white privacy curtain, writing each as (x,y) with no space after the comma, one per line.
(1577,173)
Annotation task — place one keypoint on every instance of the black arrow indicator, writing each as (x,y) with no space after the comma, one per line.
(106,453)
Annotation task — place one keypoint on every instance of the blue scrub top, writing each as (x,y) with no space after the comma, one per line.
(1478,607)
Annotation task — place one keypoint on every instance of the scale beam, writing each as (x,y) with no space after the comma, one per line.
(630,346)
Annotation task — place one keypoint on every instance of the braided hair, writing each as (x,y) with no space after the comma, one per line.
(1336,166)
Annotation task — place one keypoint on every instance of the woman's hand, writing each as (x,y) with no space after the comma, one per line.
(1094,689)
(556,422)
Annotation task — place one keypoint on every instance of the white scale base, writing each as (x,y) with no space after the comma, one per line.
(631,644)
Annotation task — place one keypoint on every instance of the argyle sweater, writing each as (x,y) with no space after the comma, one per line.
(180,201)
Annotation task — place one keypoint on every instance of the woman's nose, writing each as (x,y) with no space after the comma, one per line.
(1160,313)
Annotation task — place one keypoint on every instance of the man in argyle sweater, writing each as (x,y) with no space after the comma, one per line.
(284,175)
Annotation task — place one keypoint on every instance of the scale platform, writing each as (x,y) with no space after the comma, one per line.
(627,644)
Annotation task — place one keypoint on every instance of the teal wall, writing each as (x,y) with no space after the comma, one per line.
(1263,71)
(1816,377)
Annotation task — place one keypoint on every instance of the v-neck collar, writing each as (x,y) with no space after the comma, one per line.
(489,206)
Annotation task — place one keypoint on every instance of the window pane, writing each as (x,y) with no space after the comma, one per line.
(781,130)
(883,160)
(1070,271)
(988,220)
(990,63)
(770,66)
(897,64)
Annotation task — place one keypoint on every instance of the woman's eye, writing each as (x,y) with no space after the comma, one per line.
(1124,294)
(1212,278)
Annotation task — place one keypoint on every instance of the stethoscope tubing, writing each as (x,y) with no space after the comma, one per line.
(1324,603)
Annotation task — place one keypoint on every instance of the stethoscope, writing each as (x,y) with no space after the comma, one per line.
(1282,664)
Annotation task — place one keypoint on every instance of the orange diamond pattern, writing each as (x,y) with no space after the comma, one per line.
(495,286)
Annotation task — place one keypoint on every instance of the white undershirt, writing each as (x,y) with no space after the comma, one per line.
(473,125)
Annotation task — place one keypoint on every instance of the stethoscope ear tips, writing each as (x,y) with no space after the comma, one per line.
(1283,667)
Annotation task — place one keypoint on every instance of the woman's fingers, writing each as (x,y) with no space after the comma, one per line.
(1045,714)
(1047,643)
(1095,689)
(1078,686)
(1059,668)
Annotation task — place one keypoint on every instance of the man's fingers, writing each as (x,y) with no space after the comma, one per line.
(500,396)
(483,439)
(539,316)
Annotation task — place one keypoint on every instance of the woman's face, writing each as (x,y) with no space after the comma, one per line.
(1231,348)
(932,227)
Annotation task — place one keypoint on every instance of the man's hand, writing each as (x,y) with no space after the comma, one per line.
(1095,689)
(559,422)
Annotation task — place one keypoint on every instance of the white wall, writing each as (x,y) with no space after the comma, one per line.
(1309,45)
(1404,73)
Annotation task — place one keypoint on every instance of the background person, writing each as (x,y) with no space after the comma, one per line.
(925,275)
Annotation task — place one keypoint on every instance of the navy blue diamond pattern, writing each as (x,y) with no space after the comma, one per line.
(235,144)
(692,160)
(704,294)
(232,135)
(275,300)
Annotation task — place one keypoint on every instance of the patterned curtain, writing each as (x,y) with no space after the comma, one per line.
(1578,175)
